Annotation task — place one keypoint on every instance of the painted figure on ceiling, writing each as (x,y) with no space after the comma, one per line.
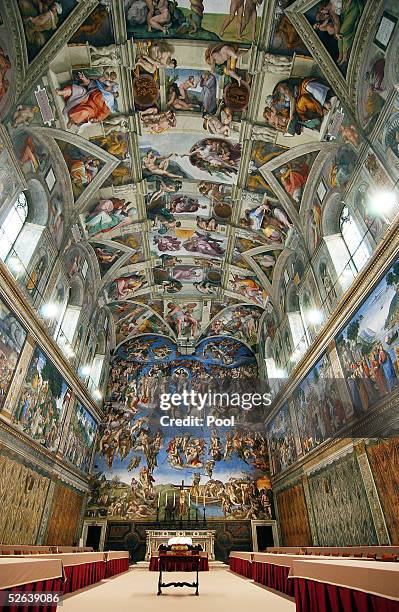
(223,58)
(83,171)
(204,244)
(154,56)
(90,99)
(47,19)
(108,214)
(293,178)
(250,17)
(5,66)
(216,155)
(340,19)
(297,103)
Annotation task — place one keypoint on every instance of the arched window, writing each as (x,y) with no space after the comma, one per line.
(354,240)
(12,225)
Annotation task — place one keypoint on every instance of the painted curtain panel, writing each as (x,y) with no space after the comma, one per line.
(368,347)
(23,494)
(64,516)
(293,516)
(280,433)
(12,338)
(384,460)
(80,439)
(341,511)
(40,407)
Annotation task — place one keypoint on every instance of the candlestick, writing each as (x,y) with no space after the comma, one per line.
(159,498)
(189,500)
(197,500)
(174,499)
(204,499)
(166,499)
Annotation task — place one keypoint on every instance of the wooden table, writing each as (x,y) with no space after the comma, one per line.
(180,563)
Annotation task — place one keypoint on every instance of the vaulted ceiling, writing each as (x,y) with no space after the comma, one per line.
(193,146)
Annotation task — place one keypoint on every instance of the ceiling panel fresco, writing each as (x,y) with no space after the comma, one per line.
(201,140)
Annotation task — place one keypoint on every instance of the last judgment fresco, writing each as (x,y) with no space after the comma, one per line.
(139,466)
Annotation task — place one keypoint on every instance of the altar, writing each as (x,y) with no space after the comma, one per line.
(203,537)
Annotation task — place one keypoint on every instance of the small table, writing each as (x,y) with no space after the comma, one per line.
(181,563)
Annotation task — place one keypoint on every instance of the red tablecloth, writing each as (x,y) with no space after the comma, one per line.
(50,585)
(274,577)
(311,596)
(116,566)
(80,576)
(241,566)
(179,565)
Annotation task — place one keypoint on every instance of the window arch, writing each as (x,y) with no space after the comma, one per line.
(12,225)
(355,241)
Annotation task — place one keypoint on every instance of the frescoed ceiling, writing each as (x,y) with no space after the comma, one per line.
(193,136)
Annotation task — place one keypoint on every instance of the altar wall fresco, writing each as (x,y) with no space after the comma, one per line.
(139,460)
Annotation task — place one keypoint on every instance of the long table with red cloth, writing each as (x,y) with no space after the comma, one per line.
(117,561)
(80,569)
(31,576)
(345,585)
(273,570)
(241,563)
(179,564)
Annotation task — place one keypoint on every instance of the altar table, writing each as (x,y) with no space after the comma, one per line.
(180,563)
(345,585)
(203,564)
(31,576)
(202,537)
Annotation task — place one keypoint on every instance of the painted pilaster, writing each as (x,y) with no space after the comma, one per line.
(372,495)
(309,506)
